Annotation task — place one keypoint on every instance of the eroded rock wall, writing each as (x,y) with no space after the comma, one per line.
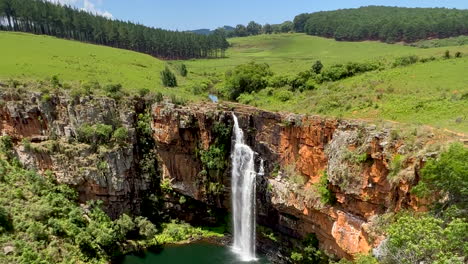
(44,129)
(354,156)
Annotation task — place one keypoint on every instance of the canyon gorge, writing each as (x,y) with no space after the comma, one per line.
(367,170)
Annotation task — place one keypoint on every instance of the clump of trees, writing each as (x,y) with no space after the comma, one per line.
(47,18)
(388,24)
(247,78)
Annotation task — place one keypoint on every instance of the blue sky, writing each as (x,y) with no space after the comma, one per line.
(195,14)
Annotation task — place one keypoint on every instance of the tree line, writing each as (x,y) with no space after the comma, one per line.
(46,18)
(388,24)
(251,29)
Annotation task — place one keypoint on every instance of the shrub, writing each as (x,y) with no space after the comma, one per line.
(405,61)
(183,70)
(278,81)
(425,239)
(458,54)
(447,54)
(326,196)
(447,176)
(103,133)
(55,82)
(120,136)
(317,67)
(143,92)
(247,78)
(178,100)
(284,95)
(159,97)
(168,78)
(113,88)
(6,144)
(395,167)
(146,228)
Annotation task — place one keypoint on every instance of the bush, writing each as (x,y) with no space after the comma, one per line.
(458,54)
(425,239)
(405,61)
(120,136)
(168,78)
(143,92)
(6,144)
(113,88)
(326,196)
(446,176)
(183,70)
(247,78)
(317,67)
(278,81)
(447,54)
(284,95)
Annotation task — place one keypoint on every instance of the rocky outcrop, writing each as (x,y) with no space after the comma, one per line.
(45,130)
(356,158)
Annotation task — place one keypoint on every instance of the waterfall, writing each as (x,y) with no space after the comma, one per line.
(243,196)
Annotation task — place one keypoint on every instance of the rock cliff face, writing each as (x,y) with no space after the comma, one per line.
(45,130)
(357,159)
(368,170)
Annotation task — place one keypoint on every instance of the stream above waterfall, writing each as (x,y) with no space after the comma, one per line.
(199,253)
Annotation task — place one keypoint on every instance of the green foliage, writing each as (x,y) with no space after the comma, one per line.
(182,200)
(389,24)
(444,42)
(101,134)
(6,143)
(405,60)
(168,78)
(166,185)
(120,136)
(326,196)
(395,167)
(309,252)
(176,232)
(113,88)
(183,70)
(446,176)
(426,239)
(447,54)
(42,220)
(317,67)
(215,188)
(247,78)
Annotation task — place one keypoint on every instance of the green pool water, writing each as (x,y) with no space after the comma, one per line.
(200,253)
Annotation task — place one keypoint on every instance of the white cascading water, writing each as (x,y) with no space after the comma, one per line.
(243,196)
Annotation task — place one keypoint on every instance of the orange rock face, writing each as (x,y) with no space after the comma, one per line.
(313,145)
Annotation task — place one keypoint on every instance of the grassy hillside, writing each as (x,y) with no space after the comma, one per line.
(433,93)
(32,57)
(291,53)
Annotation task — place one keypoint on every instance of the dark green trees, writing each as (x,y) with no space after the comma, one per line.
(168,78)
(47,18)
(389,24)
(247,78)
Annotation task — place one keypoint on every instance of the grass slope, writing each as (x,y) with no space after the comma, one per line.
(434,93)
(32,57)
(291,53)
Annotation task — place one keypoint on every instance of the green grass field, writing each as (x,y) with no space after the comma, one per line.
(291,53)
(31,58)
(434,93)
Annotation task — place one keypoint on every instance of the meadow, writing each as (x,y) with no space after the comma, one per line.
(433,93)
